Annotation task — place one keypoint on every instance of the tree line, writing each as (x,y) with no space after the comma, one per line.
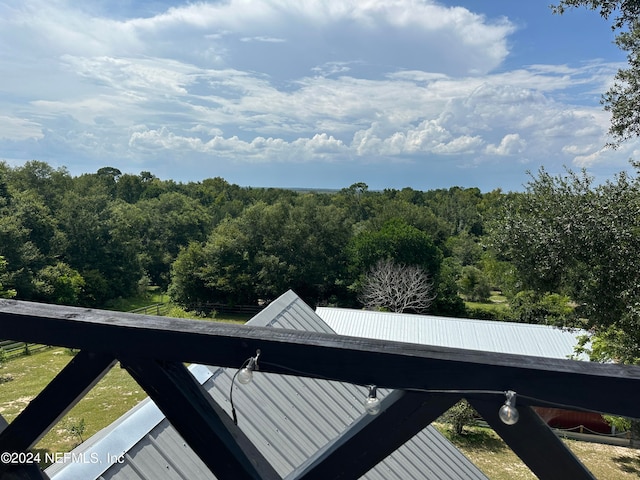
(564,251)
(93,238)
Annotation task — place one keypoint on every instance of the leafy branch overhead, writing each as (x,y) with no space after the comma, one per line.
(623,97)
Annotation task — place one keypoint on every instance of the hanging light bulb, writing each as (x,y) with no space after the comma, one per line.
(508,412)
(245,375)
(372,402)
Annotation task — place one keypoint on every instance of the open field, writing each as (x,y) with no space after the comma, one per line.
(115,394)
(24,377)
(487,450)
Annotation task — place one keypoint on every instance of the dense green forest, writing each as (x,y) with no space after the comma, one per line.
(90,239)
(563,252)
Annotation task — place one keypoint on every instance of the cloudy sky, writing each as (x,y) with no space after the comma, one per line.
(309,93)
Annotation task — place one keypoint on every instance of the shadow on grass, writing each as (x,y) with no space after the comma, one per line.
(477,439)
(628,463)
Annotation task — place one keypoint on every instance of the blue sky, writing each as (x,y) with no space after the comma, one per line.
(294,93)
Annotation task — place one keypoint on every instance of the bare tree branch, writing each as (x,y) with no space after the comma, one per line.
(397,287)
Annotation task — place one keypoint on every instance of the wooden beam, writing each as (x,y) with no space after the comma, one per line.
(349,359)
(533,441)
(370,439)
(56,399)
(24,472)
(204,425)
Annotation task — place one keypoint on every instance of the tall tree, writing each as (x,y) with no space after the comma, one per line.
(565,235)
(107,260)
(623,97)
(40,179)
(398,241)
(5,292)
(265,251)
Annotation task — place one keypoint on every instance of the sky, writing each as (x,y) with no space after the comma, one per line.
(309,93)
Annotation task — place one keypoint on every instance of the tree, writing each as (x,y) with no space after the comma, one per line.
(265,251)
(474,285)
(22,255)
(5,292)
(564,235)
(59,284)
(459,416)
(623,97)
(397,287)
(547,309)
(159,227)
(447,302)
(41,179)
(398,241)
(97,248)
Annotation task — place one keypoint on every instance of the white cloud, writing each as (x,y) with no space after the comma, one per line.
(17,129)
(262,39)
(403,30)
(463,144)
(510,144)
(207,110)
(288,81)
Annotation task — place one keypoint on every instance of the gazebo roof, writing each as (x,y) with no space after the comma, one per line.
(423,381)
(290,419)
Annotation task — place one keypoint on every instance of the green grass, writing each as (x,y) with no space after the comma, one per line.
(151,297)
(497,305)
(491,455)
(488,307)
(233,318)
(155,296)
(24,377)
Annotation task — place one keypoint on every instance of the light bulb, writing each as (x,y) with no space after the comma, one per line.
(372,403)
(508,412)
(509,415)
(245,375)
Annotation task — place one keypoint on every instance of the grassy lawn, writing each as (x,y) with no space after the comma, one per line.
(489,453)
(22,378)
(153,296)
(496,306)
(25,377)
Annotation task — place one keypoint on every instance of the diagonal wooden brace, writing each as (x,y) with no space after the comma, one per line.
(56,399)
(203,424)
(370,439)
(557,462)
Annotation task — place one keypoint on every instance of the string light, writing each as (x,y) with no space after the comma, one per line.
(244,375)
(372,402)
(508,412)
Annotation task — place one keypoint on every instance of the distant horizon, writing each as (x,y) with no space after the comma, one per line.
(319,94)
(330,189)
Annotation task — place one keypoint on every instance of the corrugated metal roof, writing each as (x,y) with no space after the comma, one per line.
(485,335)
(288,419)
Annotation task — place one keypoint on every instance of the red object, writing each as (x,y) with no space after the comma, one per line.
(582,422)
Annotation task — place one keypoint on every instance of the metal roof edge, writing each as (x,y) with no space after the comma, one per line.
(102,450)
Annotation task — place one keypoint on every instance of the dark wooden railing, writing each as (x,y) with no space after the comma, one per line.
(427,381)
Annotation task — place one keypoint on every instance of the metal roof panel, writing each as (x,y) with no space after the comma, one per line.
(288,418)
(470,334)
